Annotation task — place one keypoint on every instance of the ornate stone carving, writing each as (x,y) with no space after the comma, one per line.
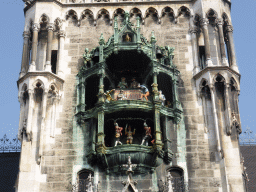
(194,29)
(229,28)
(50,27)
(26,34)
(219,21)
(62,33)
(204,22)
(235,124)
(130,182)
(35,27)
(23,131)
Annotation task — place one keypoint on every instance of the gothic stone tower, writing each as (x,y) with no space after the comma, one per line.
(129,96)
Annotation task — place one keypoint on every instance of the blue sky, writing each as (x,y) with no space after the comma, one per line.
(12,24)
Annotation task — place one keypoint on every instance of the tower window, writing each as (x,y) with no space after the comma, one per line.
(54,60)
(177,178)
(84,179)
(202,58)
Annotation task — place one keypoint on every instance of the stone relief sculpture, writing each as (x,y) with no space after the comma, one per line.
(235,124)
(130,182)
(23,130)
(90,185)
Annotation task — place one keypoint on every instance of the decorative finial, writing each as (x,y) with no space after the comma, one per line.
(102,40)
(138,21)
(153,38)
(126,19)
(115,23)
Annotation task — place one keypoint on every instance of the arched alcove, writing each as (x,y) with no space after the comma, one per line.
(91,91)
(128,64)
(165,85)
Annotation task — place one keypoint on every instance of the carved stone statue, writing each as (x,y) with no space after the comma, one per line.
(162,97)
(130,182)
(122,84)
(118,134)
(108,95)
(145,92)
(166,186)
(90,185)
(23,130)
(147,134)
(86,56)
(129,134)
(235,124)
(121,96)
(134,83)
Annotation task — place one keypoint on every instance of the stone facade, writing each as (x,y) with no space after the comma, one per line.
(56,148)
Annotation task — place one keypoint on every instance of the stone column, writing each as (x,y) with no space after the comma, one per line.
(204,24)
(48,66)
(30,113)
(100,135)
(78,93)
(153,43)
(215,118)
(43,122)
(203,98)
(32,66)
(176,103)
(60,53)
(229,30)
(155,87)
(158,132)
(24,62)
(194,31)
(237,107)
(222,43)
(101,88)
(83,85)
(228,110)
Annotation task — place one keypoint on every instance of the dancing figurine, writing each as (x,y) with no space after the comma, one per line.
(162,97)
(147,134)
(122,84)
(121,96)
(145,92)
(108,95)
(118,134)
(129,134)
(134,84)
